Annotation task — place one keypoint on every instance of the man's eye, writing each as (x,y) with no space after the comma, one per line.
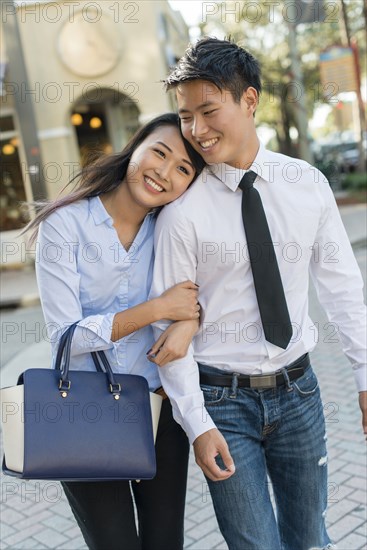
(210,112)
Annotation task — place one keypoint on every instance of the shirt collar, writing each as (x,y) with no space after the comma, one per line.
(231,177)
(100,214)
(98,211)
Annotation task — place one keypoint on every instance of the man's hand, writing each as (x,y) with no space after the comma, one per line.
(209,445)
(363,405)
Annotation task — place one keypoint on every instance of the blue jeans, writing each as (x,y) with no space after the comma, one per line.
(278,433)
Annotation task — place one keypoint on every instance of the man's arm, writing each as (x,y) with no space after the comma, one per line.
(175,261)
(175,258)
(339,286)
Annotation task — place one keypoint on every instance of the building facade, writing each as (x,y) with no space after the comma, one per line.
(78,78)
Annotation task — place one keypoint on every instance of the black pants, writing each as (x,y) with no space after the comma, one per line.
(105,512)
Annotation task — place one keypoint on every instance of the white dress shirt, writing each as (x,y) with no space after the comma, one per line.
(85,274)
(201,237)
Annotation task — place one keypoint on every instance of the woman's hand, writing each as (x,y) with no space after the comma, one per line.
(180,302)
(173,343)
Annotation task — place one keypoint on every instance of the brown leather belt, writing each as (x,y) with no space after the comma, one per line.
(258,381)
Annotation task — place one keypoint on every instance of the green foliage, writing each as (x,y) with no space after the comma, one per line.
(355,182)
(262,28)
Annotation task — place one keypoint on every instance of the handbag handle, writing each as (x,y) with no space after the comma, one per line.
(62,364)
(62,347)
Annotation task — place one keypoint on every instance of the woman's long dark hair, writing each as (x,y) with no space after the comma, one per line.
(107,172)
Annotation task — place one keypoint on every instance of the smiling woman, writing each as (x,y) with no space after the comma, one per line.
(157,174)
(109,174)
(161,167)
(113,209)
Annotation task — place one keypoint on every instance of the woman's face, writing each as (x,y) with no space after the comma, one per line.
(160,169)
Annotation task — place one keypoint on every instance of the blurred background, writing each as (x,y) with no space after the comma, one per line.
(79,77)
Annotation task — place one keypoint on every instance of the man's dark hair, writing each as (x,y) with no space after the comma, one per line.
(221,62)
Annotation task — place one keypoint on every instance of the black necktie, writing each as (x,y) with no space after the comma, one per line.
(268,284)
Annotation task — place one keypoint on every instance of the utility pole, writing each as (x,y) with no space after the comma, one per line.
(300,107)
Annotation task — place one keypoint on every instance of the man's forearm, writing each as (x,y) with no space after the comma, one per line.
(180,380)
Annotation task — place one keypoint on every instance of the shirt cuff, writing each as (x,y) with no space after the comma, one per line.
(94,333)
(196,422)
(96,328)
(360,374)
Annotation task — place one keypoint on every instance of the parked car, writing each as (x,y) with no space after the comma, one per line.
(325,155)
(348,156)
(337,157)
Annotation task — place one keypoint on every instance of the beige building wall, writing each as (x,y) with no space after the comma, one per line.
(79,51)
(133,29)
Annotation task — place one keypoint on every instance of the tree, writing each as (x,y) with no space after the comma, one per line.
(261,27)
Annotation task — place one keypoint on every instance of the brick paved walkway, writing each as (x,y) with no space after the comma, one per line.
(36,515)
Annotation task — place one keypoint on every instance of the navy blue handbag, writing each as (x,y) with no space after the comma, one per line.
(79,425)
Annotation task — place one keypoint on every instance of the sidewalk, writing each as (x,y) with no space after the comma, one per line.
(36,515)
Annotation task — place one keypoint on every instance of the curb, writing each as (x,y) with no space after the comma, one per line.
(27,300)
(361,243)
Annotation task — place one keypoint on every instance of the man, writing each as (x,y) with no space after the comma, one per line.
(249,231)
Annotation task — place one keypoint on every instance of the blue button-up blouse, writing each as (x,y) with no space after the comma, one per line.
(85,274)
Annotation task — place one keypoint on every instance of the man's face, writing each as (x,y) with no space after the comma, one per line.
(220,129)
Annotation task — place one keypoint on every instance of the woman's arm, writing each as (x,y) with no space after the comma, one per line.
(59,279)
(178,303)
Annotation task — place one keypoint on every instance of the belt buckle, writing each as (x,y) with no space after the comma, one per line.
(263,381)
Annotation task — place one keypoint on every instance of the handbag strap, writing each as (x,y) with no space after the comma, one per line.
(62,344)
(61,348)
(62,363)
(96,362)
(100,356)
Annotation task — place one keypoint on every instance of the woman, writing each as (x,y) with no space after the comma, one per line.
(94,265)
